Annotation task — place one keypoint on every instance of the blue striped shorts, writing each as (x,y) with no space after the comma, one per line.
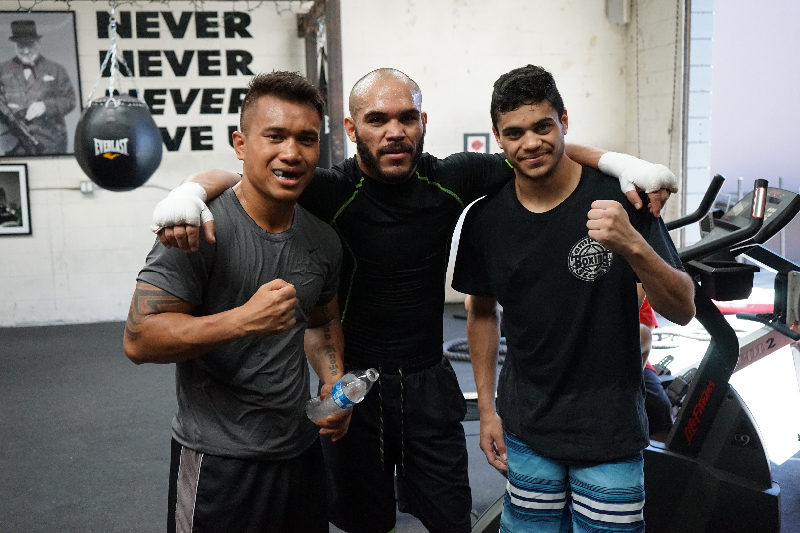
(545,496)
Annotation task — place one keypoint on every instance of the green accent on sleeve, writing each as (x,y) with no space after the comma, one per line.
(509,164)
(344,242)
(352,276)
(443,189)
(344,205)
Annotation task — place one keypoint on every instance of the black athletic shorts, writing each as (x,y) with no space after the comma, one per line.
(413,424)
(212,494)
(656,403)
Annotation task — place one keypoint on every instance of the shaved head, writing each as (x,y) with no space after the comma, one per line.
(377,79)
(387,124)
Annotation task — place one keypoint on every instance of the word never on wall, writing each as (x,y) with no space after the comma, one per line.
(210,26)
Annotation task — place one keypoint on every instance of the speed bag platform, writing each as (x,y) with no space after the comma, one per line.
(117,143)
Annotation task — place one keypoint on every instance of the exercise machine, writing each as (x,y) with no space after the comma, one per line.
(713,472)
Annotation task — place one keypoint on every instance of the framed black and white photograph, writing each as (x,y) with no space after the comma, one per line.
(476,142)
(40,99)
(15,214)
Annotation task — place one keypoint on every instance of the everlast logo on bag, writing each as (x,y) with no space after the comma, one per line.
(111,148)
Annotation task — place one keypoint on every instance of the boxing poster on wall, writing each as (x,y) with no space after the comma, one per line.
(40,99)
(15,215)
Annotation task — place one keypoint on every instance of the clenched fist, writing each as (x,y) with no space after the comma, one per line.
(271,309)
(609,225)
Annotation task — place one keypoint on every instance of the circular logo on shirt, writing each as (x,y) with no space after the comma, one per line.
(588,260)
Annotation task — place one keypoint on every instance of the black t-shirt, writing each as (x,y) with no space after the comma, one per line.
(396,241)
(571,386)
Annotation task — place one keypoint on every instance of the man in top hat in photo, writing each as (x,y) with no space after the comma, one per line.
(35,95)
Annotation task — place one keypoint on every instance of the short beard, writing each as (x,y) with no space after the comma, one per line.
(370,162)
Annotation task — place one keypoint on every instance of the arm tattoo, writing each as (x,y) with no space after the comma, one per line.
(148,302)
(330,350)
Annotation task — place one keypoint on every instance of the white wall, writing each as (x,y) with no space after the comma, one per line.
(698,142)
(81,261)
(456,49)
(654,84)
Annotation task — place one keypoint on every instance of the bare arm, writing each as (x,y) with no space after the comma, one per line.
(215,182)
(160,328)
(585,154)
(670,291)
(324,346)
(324,342)
(483,336)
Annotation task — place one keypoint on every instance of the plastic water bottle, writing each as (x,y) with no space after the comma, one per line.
(345,393)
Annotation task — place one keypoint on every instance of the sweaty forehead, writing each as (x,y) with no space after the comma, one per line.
(383,93)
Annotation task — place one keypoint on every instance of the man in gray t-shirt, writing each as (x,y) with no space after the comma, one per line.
(255,406)
(240,318)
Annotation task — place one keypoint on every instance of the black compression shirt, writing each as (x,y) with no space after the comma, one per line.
(396,241)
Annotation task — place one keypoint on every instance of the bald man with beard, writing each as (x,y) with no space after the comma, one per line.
(395,209)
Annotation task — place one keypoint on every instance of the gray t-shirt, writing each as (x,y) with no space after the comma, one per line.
(246,398)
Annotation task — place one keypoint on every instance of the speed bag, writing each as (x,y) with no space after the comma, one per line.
(118,145)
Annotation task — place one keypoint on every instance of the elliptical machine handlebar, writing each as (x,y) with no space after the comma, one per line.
(703,208)
(702,249)
(777,326)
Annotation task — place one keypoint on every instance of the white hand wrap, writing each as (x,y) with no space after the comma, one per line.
(183,205)
(633,172)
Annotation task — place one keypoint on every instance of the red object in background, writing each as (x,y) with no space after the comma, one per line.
(646,315)
(738,306)
(477,145)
